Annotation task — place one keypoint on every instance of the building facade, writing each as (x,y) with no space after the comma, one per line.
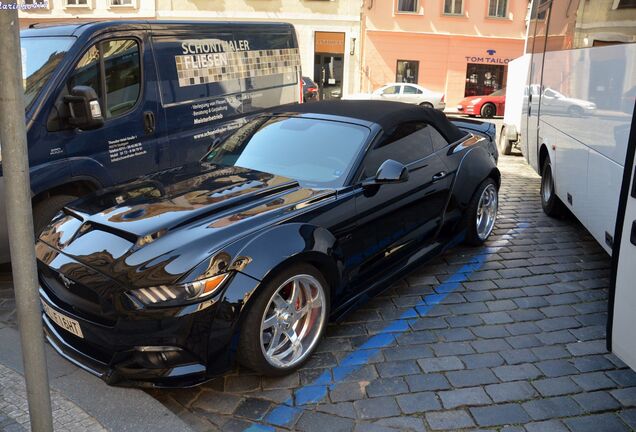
(457,47)
(328,31)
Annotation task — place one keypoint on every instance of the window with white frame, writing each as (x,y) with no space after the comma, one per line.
(408,6)
(76,2)
(453,7)
(498,8)
(127,3)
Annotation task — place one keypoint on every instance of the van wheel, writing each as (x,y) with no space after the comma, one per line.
(46,209)
(505,145)
(550,202)
(285,322)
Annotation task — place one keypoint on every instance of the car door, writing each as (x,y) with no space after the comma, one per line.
(622,305)
(391,92)
(412,94)
(396,221)
(132,140)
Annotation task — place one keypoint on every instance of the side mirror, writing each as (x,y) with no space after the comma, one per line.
(83,107)
(389,172)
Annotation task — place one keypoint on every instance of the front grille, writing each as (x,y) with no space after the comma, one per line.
(86,306)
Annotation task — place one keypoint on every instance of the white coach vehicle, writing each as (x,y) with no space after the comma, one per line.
(577,130)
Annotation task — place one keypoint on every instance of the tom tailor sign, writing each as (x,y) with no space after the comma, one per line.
(493,60)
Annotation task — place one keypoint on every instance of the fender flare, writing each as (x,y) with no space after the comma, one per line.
(62,172)
(262,256)
(474,168)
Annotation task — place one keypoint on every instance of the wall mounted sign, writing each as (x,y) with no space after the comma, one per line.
(329,42)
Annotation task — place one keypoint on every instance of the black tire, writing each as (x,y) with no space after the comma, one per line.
(470,215)
(576,111)
(46,209)
(550,202)
(488,110)
(427,105)
(250,354)
(505,145)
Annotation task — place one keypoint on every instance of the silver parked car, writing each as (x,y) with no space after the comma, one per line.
(409,93)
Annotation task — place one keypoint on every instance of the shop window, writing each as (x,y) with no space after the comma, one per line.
(407,71)
(408,6)
(626,4)
(482,79)
(497,8)
(453,7)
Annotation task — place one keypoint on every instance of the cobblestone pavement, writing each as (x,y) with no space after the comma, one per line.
(14,414)
(508,337)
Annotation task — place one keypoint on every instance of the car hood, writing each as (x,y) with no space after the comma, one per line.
(469,100)
(156,229)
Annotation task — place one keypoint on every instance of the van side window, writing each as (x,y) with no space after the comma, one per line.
(121,79)
(406,143)
(123,75)
(86,72)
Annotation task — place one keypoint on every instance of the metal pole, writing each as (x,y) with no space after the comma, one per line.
(15,167)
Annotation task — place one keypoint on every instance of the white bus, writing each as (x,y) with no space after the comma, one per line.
(578,132)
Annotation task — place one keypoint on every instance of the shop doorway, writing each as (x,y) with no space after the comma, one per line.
(329,64)
(482,79)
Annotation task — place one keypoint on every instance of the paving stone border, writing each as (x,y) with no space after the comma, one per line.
(14,413)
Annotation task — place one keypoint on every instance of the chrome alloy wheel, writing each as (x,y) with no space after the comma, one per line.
(487,211)
(293,320)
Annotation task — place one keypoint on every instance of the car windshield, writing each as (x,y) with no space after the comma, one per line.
(40,57)
(500,92)
(317,153)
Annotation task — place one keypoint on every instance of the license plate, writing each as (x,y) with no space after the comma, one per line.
(68,324)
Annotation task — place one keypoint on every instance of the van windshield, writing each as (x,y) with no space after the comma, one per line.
(40,57)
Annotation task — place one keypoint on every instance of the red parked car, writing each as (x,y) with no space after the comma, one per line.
(485,106)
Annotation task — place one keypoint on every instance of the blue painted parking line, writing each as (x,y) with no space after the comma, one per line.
(317,390)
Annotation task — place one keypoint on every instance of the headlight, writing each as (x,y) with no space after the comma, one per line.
(173,295)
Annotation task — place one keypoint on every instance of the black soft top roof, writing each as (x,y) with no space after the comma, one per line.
(385,113)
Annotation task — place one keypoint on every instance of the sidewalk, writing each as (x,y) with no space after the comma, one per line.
(81,402)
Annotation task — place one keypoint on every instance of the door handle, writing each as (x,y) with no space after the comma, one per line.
(440,175)
(149,122)
(633,236)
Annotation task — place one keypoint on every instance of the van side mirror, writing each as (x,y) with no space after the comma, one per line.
(84,109)
(389,172)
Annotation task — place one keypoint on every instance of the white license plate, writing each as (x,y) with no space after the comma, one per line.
(68,324)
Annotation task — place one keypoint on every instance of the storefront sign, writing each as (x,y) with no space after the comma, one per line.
(489,59)
(329,42)
(494,60)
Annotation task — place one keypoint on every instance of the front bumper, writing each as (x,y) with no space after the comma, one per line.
(117,353)
(469,109)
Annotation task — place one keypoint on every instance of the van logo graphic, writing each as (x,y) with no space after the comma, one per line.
(66,281)
(491,52)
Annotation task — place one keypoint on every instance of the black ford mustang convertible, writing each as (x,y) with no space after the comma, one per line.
(293,219)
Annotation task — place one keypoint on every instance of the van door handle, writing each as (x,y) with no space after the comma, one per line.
(440,175)
(149,122)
